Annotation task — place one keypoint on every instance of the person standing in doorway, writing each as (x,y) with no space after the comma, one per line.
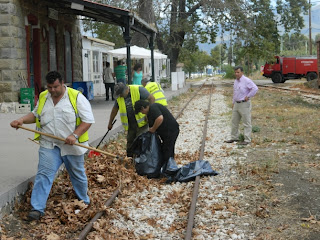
(137,74)
(243,90)
(120,72)
(108,79)
(65,113)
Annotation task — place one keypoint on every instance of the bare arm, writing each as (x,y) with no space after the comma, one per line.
(156,124)
(27,119)
(113,114)
(151,99)
(81,129)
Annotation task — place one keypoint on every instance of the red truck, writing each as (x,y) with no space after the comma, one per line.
(286,68)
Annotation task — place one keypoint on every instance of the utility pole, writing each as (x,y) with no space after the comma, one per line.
(310,38)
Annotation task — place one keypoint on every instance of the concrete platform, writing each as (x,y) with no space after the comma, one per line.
(19,155)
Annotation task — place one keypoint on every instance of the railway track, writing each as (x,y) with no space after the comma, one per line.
(312,94)
(151,209)
(192,210)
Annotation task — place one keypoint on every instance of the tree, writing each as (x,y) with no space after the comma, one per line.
(253,23)
(146,12)
(218,55)
(104,31)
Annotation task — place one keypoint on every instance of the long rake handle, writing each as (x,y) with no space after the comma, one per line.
(62,139)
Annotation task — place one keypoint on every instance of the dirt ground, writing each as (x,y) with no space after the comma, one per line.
(280,176)
(282,170)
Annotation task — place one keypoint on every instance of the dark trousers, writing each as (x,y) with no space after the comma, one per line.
(167,147)
(133,132)
(111,86)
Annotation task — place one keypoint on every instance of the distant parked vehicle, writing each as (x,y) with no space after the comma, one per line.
(286,68)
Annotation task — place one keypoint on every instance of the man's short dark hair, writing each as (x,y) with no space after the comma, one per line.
(238,67)
(119,62)
(139,105)
(107,64)
(119,89)
(53,76)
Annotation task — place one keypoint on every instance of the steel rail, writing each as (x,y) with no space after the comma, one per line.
(197,180)
(288,90)
(196,93)
(89,226)
(293,90)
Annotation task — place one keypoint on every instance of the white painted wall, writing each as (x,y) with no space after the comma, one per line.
(95,52)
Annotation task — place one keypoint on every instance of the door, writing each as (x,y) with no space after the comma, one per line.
(33,54)
(97,73)
(288,65)
(68,57)
(52,49)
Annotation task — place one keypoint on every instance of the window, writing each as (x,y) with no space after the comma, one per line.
(95,61)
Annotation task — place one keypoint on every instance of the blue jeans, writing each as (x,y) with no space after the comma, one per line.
(49,162)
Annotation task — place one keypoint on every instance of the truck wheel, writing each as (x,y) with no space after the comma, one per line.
(311,76)
(277,78)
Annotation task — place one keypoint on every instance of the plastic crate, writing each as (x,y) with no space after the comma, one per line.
(26,92)
(27,100)
(85,87)
(23,108)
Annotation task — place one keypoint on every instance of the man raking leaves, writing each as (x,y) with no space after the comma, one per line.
(65,113)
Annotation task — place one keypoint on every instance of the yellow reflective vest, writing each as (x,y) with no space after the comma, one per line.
(156,90)
(73,94)
(135,96)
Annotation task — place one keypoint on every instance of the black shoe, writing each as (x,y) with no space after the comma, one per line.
(113,99)
(107,99)
(231,141)
(34,215)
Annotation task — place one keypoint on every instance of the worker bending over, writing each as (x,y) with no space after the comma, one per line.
(163,123)
(132,122)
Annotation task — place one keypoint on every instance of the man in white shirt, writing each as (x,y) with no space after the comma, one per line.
(108,79)
(66,113)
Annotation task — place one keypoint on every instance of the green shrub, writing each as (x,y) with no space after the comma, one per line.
(229,72)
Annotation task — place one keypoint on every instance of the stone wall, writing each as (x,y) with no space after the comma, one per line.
(12,50)
(13,53)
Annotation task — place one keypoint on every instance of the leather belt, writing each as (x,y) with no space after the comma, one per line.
(240,101)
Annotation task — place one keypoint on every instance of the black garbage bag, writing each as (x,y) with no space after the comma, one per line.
(147,154)
(189,171)
(170,168)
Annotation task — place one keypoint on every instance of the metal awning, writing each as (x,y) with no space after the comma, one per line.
(110,15)
(104,13)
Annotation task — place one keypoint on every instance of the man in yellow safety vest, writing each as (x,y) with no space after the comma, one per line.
(65,113)
(156,90)
(135,124)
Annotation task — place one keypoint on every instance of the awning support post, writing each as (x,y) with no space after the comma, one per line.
(151,46)
(127,38)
